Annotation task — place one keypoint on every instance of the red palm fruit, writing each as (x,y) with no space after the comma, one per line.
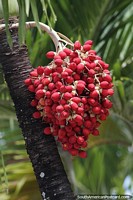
(80,67)
(77,129)
(51,86)
(86,47)
(62,54)
(62,122)
(61,133)
(73,152)
(92,56)
(67,107)
(87,124)
(92,51)
(58,61)
(84,144)
(31,88)
(80,140)
(72,139)
(77,45)
(76,146)
(90,80)
(73,66)
(54,107)
(48,102)
(110,92)
(80,87)
(91,72)
(48,94)
(107,77)
(104,84)
(36,115)
(47,71)
(80,111)
(86,107)
(64,115)
(104,92)
(73,55)
(78,119)
(69,88)
(62,101)
(106,66)
(91,86)
(86,131)
(84,100)
(97,124)
(102,117)
(57,57)
(67,51)
(70,146)
(50,54)
(42,102)
(69,71)
(63,89)
(28,81)
(107,103)
(40,70)
(64,75)
(64,140)
(67,95)
(96,110)
(56,79)
(34,102)
(69,134)
(76,77)
(40,86)
(77,60)
(45,81)
(36,82)
(93,119)
(74,106)
(34,73)
(59,69)
(95,132)
(65,146)
(40,94)
(47,109)
(69,80)
(55,96)
(90,42)
(92,66)
(59,108)
(82,154)
(47,131)
(94,94)
(110,85)
(91,101)
(68,128)
(58,84)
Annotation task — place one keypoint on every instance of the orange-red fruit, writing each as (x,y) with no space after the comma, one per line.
(28,81)
(77,45)
(40,70)
(47,131)
(55,96)
(80,140)
(50,54)
(36,115)
(82,154)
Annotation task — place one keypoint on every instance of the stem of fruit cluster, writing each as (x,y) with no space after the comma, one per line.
(58,42)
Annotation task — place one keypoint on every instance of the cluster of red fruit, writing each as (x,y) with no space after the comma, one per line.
(71,94)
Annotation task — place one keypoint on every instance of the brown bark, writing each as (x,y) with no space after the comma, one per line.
(42,150)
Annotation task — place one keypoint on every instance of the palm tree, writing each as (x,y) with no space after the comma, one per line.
(109,24)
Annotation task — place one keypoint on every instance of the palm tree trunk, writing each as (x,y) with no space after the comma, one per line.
(42,150)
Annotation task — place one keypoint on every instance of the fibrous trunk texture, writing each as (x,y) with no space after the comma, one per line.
(42,150)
